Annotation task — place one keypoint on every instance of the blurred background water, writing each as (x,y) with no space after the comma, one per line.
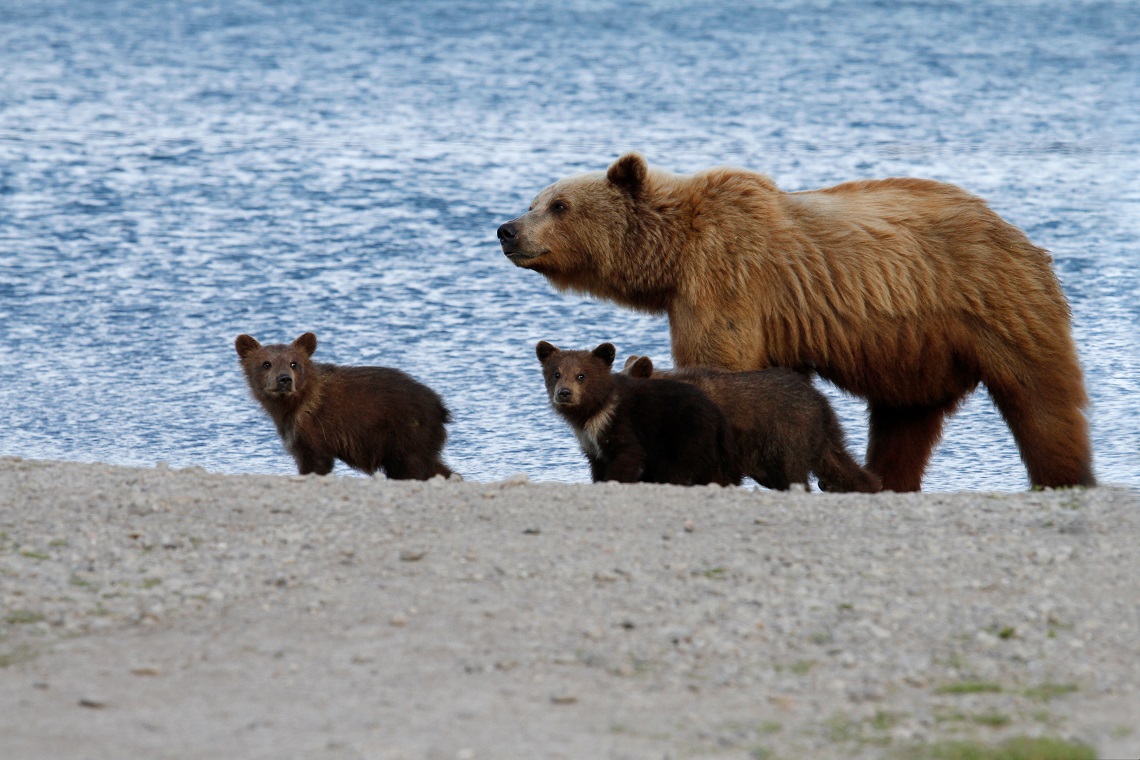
(173,173)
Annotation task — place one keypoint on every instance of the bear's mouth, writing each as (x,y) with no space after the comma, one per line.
(520,257)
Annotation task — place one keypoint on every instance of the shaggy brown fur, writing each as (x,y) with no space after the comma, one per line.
(906,292)
(784,429)
(370,418)
(634,430)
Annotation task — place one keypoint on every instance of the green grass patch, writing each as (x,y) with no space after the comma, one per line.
(885,721)
(969,687)
(35,555)
(151,582)
(1048,691)
(1017,748)
(993,719)
(19,617)
(21,653)
(803,667)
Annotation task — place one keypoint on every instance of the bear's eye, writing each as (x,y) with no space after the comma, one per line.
(558,206)
(267,365)
(293,365)
(581,377)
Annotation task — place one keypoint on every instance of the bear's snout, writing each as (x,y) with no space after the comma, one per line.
(284,382)
(509,239)
(563,395)
(508,232)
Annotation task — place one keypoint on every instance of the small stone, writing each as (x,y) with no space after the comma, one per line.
(412,555)
(519,479)
(92,703)
(690,526)
(563,699)
(399,620)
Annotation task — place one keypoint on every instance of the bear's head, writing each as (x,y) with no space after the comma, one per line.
(578,382)
(278,371)
(588,233)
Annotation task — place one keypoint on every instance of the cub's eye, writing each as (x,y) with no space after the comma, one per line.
(557,375)
(267,365)
(558,206)
(581,377)
(293,365)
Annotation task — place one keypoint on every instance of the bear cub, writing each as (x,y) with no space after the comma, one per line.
(370,418)
(784,428)
(634,430)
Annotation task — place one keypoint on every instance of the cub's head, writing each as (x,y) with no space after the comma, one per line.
(577,382)
(638,366)
(278,371)
(576,228)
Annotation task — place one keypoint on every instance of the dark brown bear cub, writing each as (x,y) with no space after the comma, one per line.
(370,418)
(633,430)
(784,428)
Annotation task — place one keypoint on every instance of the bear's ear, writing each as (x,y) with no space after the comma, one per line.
(643,367)
(606,352)
(307,343)
(629,173)
(246,345)
(544,349)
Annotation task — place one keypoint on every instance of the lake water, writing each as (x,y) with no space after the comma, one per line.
(175,173)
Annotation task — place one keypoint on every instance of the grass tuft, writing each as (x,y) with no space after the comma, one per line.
(1017,748)
(969,687)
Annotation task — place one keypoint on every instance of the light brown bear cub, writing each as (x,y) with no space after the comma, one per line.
(638,431)
(785,429)
(907,292)
(370,418)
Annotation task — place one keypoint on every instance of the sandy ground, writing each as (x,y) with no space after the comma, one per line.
(180,614)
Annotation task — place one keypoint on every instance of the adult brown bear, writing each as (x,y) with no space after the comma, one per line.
(907,292)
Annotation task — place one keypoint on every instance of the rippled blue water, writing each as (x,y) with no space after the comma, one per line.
(175,173)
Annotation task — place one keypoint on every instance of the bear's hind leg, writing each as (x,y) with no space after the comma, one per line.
(1051,432)
(901,441)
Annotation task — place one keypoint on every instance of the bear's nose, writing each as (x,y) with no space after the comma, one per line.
(284,381)
(564,394)
(508,231)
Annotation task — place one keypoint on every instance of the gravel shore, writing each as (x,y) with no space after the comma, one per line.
(167,613)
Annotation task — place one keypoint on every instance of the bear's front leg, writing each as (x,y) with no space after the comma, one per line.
(627,467)
(309,461)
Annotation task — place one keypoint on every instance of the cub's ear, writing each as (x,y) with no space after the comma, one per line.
(629,362)
(629,173)
(246,345)
(643,367)
(606,352)
(544,349)
(306,343)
